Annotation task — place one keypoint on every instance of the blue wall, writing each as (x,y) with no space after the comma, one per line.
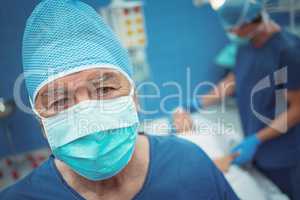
(24,128)
(180,36)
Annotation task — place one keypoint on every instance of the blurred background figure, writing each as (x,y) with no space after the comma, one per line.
(262,51)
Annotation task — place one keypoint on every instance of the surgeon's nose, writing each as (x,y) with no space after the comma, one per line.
(82,94)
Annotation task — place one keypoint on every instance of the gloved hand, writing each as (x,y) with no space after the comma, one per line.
(246,150)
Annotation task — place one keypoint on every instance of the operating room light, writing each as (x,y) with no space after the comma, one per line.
(216,4)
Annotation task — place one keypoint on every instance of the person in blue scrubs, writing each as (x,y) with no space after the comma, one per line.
(266,83)
(79,81)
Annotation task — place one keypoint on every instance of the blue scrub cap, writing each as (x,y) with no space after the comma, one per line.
(237,12)
(67,36)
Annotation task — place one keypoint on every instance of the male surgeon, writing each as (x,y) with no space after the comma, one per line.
(79,81)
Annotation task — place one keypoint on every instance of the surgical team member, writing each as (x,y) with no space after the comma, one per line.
(79,81)
(267,62)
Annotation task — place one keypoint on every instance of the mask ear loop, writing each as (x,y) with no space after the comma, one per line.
(41,122)
(40,119)
(131,94)
(36,114)
(132,89)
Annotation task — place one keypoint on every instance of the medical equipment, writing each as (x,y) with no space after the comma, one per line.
(7,109)
(14,168)
(234,12)
(127,20)
(200,2)
(2,106)
(290,7)
(215,4)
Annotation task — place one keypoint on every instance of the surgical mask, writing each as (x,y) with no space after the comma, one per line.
(95,138)
(227,57)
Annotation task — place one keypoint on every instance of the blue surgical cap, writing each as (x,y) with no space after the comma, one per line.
(67,36)
(237,12)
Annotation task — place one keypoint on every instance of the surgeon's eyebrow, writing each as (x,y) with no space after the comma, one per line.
(104,78)
(54,92)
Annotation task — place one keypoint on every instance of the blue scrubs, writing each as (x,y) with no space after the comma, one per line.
(253,65)
(178,170)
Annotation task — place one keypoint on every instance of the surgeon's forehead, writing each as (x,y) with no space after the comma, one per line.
(112,76)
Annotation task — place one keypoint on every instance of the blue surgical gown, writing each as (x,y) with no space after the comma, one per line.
(178,170)
(253,65)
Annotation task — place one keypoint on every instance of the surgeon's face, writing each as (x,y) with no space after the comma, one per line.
(92,84)
(245,30)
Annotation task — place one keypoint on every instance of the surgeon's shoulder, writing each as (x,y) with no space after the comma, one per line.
(32,186)
(187,165)
(187,156)
(175,146)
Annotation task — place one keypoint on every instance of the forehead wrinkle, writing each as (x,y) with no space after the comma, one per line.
(106,77)
(60,85)
(54,91)
(76,78)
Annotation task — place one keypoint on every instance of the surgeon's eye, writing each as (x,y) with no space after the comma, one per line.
(104,91)
(60,104)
